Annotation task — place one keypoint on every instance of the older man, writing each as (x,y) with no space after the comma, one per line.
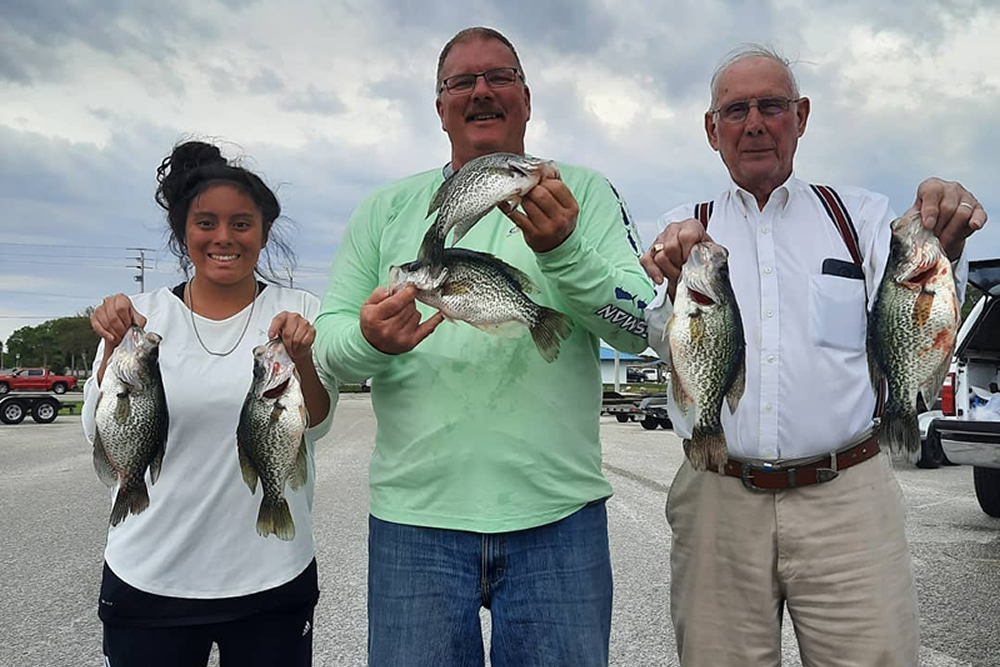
(808,514)
(486,482)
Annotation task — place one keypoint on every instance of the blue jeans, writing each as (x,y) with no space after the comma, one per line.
(548,590)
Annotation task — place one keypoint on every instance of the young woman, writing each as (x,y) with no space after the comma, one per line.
(191,569)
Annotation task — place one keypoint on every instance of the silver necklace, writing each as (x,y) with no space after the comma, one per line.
(190,295)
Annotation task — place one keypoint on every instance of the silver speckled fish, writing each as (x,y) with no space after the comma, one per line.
(707,351)
(131,422)
(270,437)
(472,192)
(486,292)
(911,330)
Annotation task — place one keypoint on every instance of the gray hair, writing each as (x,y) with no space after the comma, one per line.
(752,50)
(477,32)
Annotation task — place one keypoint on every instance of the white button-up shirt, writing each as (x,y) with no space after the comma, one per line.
(807,384)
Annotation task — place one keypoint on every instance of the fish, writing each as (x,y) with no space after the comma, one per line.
(486,292)
(912,328)
(270,437)
(473,191)
(707,351)
(131,422)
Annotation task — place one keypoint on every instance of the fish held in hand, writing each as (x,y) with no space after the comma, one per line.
(131,422)
(472,192)
(486,292)
(270,437)
(707,351)
(911,330)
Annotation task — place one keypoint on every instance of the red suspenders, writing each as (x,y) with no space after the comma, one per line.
(835,209)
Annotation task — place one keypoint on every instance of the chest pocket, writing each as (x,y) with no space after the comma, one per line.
(837,312)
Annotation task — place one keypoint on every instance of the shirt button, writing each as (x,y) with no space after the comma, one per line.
(767,269)
(770,359)
(767,407)
(763,229)
(770,313)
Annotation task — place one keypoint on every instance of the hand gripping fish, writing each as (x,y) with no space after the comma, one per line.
(472,192)
(911,330)
(270,437)
(707,351)
(131,422)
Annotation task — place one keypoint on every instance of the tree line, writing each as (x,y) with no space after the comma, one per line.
(65,344)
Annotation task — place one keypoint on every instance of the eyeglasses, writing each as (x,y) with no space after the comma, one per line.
(737,112)
(500,77)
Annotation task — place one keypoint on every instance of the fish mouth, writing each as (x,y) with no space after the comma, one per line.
(277,367)
(704,261)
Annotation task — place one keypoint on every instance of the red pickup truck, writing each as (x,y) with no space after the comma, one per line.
(35,379)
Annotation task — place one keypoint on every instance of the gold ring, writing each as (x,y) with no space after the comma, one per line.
(968,205)
(657,247)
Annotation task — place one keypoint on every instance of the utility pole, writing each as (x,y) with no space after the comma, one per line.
(141,266)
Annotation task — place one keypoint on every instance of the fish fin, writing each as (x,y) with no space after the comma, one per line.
(248,469)
(455,288)
(301,473)
(875,373)
(102,464)
(275,414)
(440,195)
(552,328)
(123,408)
(736,389)
(132,499)
(899,430)
(696,325)
(508,329)
(677,389)
(463,227)
(274,518)
(922,308)
(707,447)
(156,465)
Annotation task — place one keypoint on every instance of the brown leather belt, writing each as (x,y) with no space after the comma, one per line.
(765,477)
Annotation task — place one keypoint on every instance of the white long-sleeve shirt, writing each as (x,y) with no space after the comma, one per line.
(198,537)
(807,381)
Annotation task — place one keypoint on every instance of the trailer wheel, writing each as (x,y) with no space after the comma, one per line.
(45,411)
(12,412)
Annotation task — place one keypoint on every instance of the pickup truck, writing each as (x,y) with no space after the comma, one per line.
(35,379)
(969,427)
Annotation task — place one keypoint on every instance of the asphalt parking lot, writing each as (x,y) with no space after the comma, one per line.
(54,516)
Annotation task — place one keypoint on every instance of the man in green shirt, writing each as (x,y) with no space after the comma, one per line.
(486,481)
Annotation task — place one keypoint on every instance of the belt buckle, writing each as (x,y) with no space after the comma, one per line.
(746,476)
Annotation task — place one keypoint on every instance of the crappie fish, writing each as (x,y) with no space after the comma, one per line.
(472,192)
(489,294)
(270,437)
(707,351)
(911,330)
(131,422)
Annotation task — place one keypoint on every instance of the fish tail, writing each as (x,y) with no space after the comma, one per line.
(707,447)
(274,518)
(432,247)
(899,430)
(549,331)
(130,500)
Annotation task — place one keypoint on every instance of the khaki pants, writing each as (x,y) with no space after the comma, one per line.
(835,553)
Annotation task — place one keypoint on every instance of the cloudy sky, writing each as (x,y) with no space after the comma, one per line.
(328,99)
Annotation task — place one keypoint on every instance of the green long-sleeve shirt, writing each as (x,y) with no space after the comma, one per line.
(475,431)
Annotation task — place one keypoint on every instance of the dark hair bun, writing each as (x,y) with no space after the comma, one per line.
(176,170)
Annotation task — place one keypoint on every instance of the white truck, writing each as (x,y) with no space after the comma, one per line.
(969,427)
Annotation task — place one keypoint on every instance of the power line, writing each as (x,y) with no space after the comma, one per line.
(61,296)
(141,266)
(64,245)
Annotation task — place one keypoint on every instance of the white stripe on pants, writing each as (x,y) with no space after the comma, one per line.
(836,553)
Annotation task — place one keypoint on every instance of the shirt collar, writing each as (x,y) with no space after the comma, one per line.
(781,195)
